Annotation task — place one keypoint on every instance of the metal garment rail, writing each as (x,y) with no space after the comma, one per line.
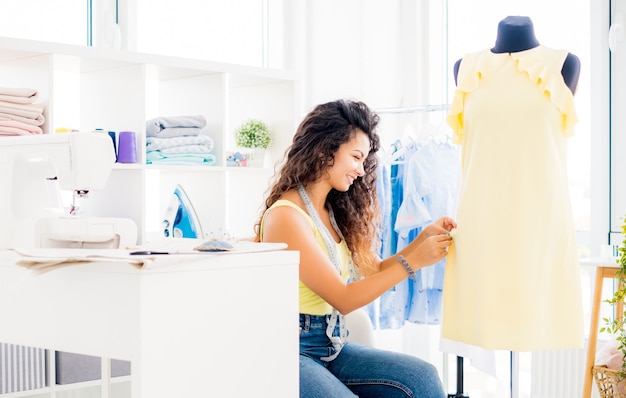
(413,109)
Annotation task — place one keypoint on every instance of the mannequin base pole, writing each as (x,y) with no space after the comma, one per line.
(459,380)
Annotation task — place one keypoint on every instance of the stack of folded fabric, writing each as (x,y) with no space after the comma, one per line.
(178,140)
(19,115)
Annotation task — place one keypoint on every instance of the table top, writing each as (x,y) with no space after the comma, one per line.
(172,260)
(600,261)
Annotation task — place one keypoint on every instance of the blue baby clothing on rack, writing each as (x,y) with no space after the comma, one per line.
(430,192)
(392,306)
(423,186)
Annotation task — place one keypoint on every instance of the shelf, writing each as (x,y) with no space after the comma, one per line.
(86,88)
(94,59)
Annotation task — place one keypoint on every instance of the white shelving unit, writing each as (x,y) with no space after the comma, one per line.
(86,88)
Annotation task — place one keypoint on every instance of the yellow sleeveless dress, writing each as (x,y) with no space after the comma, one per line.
(512,279)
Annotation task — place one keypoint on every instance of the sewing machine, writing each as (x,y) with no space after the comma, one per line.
(37,172)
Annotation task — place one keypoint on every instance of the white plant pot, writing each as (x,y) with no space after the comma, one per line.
(257,157)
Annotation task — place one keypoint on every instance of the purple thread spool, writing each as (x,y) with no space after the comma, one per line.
(126,147)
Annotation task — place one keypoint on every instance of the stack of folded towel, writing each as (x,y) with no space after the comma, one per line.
(19,115)
(178,140)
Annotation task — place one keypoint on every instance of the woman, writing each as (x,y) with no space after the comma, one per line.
(324,205)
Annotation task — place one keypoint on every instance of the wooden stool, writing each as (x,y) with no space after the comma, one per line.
(603,270)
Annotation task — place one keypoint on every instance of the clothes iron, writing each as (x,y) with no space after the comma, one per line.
(181,220)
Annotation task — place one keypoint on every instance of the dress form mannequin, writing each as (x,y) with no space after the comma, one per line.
(516,33)
(515,41)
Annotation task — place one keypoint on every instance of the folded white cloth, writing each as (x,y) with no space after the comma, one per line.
(13,131)
(35,108)
(156,125)
(19,128)
(19,95)
(38,121)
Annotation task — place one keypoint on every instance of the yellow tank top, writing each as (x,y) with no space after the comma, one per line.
(311,303)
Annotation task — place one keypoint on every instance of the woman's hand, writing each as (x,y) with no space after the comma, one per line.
(431,245)
(432,250)
(442,226)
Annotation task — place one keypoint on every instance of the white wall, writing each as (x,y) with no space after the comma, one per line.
(389,54)
(365,49)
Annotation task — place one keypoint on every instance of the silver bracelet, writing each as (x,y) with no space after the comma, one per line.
(406,266)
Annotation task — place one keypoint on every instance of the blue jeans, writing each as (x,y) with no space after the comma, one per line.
(360,371)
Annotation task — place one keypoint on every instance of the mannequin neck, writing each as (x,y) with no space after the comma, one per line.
(515,34)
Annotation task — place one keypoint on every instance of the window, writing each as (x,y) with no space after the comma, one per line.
(45,20)
(618,121)
(246,32)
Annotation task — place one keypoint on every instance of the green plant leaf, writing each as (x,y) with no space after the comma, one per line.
(253,134)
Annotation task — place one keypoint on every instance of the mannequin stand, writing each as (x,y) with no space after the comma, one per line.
(459,380)
(514,374)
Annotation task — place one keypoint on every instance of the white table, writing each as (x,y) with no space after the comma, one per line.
(206,325)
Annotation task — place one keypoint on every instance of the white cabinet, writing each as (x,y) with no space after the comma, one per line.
(86,88)
(207,325)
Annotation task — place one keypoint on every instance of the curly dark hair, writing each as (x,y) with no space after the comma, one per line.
(321,133)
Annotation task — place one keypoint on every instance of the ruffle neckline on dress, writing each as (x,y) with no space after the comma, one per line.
(533,63)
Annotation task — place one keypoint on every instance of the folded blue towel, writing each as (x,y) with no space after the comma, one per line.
(158,143)
(157,125)
(206,159)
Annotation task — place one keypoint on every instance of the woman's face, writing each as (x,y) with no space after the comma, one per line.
(348,162)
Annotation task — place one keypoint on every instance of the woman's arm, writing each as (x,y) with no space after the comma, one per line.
(317,272)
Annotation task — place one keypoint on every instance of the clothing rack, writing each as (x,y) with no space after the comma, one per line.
(432,108)
(414,109)
(417,109)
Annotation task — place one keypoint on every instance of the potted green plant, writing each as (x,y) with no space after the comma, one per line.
(617,325)
(255,136)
